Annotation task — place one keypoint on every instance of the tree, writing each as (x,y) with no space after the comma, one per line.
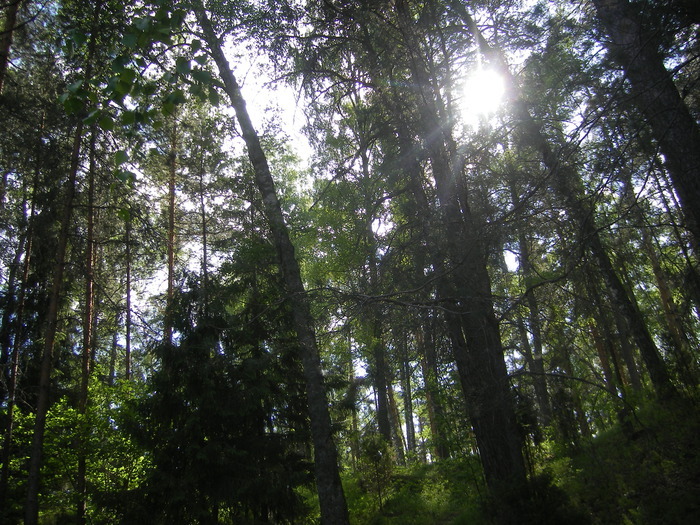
(331,497)
(635,46)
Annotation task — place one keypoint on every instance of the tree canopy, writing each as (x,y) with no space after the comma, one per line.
(469,294)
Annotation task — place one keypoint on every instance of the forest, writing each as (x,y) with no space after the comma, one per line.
(405,262)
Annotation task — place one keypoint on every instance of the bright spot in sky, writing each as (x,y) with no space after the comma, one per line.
(482,95)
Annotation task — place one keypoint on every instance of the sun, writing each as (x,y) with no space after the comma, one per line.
(482,95)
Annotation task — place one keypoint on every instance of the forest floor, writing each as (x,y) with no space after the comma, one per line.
(644,472)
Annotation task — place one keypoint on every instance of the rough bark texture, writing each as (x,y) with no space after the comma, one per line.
(330,490)
(635,48)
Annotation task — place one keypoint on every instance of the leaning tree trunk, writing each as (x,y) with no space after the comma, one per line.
(330,490)
(635,48)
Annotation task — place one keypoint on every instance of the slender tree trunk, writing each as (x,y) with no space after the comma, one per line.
(680,344)
(634,47)
(89,297)
(16,343)
(127,313)
(170,294)
(43,400)
(330,491)
(406,388)
(396,430)
(6,34)
(436,413)
(8,311)
(535,350)
(203,219)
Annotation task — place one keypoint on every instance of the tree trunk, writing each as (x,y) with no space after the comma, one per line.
(534,351)
(31,509)
(396,430)
(127,313)
(16,343)
(634,47)
(89,296)
(406,388)
(43,400)
(330,491)
(170,294)
(466,290)
(6,35)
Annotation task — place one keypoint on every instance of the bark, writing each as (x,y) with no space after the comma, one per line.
(6,35)
(31,509)
(43,400)
(534,352)
(436,413)
(406,388)
(127,313)
(14,355)
(203,218)
(170,294)
(564,181)
(604,328)
(635,48)
(8,312)
(465,289)
(88,325)
(330,491)
(397,437)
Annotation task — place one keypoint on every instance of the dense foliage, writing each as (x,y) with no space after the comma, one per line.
(430,305)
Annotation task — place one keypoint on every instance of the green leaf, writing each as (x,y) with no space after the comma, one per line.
(128,118)
(127,75)
(120,157)
(201,59)
(72,105)
(125,176)
(106,123)
(75,86)
(92,117)
(202,76)
(124,214)
(182,66)
(196,45)
(78,37)
(176,97)
(130,40)
(214,98)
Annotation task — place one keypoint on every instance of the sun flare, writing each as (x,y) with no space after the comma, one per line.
(482,95)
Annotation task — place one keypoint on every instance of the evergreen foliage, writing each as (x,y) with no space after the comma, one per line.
(486,317)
